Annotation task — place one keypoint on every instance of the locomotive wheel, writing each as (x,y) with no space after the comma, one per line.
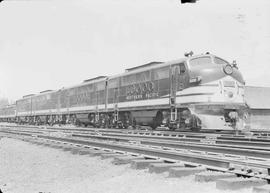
(195,123)
(77,122)
(195,129)
(157,120)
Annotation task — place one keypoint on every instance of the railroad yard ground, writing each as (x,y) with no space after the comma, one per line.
(29,168)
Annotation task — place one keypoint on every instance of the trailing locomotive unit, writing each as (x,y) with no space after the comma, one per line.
(202,91)
(8,113)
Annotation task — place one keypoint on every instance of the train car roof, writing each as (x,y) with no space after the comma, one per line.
(8,106)
(146,67)
(27,96)
(87,82)
(45,91)
(133,70)
(143,66)
(137,70)
(95,78)
(38,94)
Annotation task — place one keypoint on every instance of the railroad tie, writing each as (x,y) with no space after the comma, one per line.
(143,164)
(163,167)
(238,183)
(125,159)
(209,176)
(187,171)
(110,155)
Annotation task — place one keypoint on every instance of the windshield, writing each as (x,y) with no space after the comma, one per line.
(220,61)
(197,62)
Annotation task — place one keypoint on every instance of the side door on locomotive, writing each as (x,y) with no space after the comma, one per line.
(179,80)
(112,99)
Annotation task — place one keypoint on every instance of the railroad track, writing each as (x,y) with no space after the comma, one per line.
(210,139)
(248,161)
(247,153)
(213,145)
(165,134)
(113,130)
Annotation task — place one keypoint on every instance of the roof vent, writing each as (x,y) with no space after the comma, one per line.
(44,91)
(143,66)
(96,78)
(26,96)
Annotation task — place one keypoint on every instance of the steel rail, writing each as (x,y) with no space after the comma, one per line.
(230,151)
(222,139)
(212,141)
(236,150)
(212,162)
(113,130)
(217,140)
(250,151)
(187,134)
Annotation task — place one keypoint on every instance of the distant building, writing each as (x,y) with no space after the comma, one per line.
(258,101)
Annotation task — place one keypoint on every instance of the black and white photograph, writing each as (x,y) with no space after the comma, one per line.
(134,96)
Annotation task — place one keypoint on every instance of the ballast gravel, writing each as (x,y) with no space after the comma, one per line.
(30,168)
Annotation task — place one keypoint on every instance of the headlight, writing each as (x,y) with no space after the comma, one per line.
(228,69)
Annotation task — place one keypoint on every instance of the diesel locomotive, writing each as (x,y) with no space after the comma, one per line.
(195,92)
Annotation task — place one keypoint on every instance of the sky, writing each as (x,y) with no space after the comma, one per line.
(50,44)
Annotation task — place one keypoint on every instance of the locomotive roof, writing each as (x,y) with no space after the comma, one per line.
(8,106)
(35,95)
(26,96)
(89,81)
(45,91)
(96,78)
(137,69)
(143,66)
(157,65)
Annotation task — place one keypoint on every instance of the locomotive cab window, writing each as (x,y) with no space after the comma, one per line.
(197,62)
(220,61)
(182,69)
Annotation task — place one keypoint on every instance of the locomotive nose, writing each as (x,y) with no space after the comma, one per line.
(208,72)
(212,71)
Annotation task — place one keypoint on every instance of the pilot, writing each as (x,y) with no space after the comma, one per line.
(191,120)
(185,115)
